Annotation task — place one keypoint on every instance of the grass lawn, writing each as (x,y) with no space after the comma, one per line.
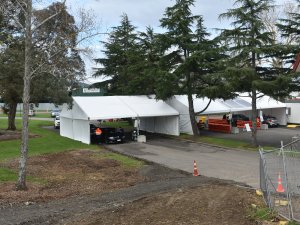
(37,115)
(42,115)
(47,142)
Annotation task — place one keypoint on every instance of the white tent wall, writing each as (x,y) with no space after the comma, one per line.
(185,124)
(294,116)
(279,113)
(184,117)
(74,124)
(75,129)
(81,129)
(66,127)
(163,125)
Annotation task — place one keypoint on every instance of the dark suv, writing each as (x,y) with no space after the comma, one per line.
(108,135)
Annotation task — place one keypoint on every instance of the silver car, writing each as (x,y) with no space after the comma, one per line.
(55,112)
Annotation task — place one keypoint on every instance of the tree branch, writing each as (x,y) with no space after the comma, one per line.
(197,113)
(20,5)
(45,62)
(47,19)
(13,17)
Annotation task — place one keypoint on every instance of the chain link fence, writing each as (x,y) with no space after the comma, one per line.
(280,179)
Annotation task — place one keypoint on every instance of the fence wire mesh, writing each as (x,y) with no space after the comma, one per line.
(280,179)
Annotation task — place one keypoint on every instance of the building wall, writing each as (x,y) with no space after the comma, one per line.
(294,109)
(161,124)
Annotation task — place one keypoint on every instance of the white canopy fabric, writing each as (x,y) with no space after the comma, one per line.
(264,102)
(238,104)
(108,107)
(154,115)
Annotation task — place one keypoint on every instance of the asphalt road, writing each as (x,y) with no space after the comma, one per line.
(224,163)
(237,165)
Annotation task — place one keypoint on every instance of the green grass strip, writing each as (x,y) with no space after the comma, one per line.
(7,175)
(47,141)
(124,160)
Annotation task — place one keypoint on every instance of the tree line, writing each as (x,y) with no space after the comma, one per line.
(40,58)
(249,57)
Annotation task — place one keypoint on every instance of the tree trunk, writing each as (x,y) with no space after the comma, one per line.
(12,115)
(192,115)
(21,185)
(254,115)
(190,100)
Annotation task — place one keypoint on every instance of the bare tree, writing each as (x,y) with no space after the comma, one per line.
(29,27)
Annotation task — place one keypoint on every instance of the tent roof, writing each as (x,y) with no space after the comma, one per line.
(108,107)
(265,102)
(233,105)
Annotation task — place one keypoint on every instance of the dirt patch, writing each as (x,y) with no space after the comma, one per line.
(6,135)
(208,205)
(69,174)
(86,188)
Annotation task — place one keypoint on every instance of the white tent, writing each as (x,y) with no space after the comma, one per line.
(242,105)
(155,116)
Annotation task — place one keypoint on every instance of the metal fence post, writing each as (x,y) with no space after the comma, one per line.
(291,216)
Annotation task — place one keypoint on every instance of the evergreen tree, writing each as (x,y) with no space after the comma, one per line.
(146,66)
(250,45)
(121,52)
(290,29)
(192,63)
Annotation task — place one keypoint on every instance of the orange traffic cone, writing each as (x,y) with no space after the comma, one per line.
(195,169)
(279,189)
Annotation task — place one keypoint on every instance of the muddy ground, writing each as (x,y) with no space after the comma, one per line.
(88,188)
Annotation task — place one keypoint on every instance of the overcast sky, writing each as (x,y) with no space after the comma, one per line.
(143,13)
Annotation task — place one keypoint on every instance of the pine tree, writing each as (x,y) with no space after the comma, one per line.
(290,29)
(145,67)
(250,44)
(121,52)
(192,63)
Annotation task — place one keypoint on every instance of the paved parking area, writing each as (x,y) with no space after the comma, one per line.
(271,137)
(238,165)
(230,164)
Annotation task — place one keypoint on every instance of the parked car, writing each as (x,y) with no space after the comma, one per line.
(107,135)
(57,122)
(31,112)
(236,117)
(271,121)
(55,112)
